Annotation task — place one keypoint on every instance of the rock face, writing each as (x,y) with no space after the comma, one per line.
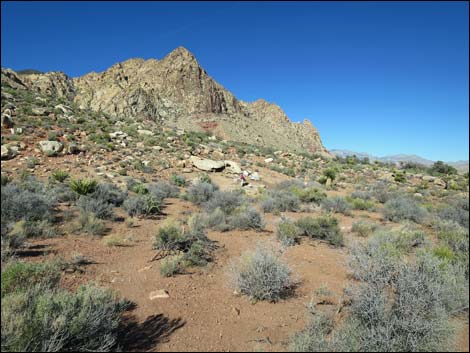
(177,92)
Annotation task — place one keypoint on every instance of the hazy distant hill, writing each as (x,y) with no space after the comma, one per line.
(461,166)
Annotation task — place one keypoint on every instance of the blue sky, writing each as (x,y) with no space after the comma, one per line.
(377,77)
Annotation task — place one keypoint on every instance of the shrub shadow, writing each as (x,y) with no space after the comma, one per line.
(145,336)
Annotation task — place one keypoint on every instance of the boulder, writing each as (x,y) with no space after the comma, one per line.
(207,165)
(268,160)
(50,148)
(8,152)
(232,167)
(145,132)
(255,176)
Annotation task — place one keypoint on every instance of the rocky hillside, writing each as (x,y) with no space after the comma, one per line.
(176,92)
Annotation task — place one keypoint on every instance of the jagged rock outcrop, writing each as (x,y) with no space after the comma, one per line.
(177,92)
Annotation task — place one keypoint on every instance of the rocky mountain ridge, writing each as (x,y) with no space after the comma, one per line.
(176,92)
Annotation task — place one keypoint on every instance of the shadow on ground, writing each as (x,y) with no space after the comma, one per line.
(146,335)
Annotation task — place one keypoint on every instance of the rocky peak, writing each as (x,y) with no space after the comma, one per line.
(177,92)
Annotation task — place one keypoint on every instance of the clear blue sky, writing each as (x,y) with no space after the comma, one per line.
(377,77)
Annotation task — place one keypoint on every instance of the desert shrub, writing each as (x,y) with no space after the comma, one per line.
(246,219)
(62,192)
(60,175)
(18,276)
(83,186)
(170,266)
(201,192)
(56,320)
(19,203)
(100,208)
(261,275)
(87,222)
(380,191)
(280,201)
(287,232)
(323,227)
(5,179)
(142,205)
(361,194)
(178,180)
(162,190)
(363,228)
(457,210)
(402,208)
(139,188)
(192,245)
(426,292)
(336,204)
(109,193)
(205,178)
(309,194)
(456,238)
(361,204)
(218,220)
(227,201)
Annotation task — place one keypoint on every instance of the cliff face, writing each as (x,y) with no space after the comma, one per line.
(176,91)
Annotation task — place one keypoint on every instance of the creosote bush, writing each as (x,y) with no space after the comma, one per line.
(287,232)
(363,228)
(261,275)
(323,227)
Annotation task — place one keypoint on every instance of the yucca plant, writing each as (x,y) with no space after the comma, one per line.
(60,175)
(83,186)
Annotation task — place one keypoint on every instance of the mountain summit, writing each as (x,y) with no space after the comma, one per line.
(177,92)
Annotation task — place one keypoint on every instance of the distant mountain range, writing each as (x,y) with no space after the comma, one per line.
(462,166)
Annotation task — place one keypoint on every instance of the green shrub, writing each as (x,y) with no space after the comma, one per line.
(83,186)
(309,194)
(139,189)
(361,204)
(227,201)
(261,275)
(330,173)
(56,320)
(87,222)
(323,227)
(170,266)
(287,232)
(178,180)
(363,228)
(19,276)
